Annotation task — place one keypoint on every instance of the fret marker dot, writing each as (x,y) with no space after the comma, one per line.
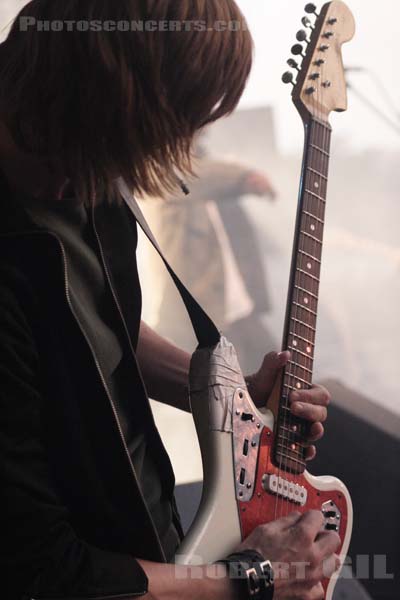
(312,227)
(294,428)
(316,185)
(295,344)
(305,300)
(309,266)
(293,446)
(309,349)
(298,385)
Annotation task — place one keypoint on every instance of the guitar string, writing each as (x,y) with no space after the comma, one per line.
(314,137)
(295,448)
(284,434)
(289,379)
(298,360)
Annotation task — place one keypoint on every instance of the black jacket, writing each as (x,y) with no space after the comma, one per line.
(72,516)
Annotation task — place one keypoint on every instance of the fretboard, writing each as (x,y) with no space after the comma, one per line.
(302,308)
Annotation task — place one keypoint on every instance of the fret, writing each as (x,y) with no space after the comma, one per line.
(303,339)
(309,356)
(310,256)
(312,237)
(304,324)
(324,152)
(308,274)
(289,429)
(297,453)
(289,417)
(298,379)
(283,455)
(294,439)
(303,303)
(325,125)
(294,363)
(315,195)
(308,214)
(317,173)
(301,289)
(304,300)
(305,308)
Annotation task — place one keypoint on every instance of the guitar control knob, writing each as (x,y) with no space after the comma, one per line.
(331,527)
(297,49)
(330,514)
(332,21)
(301,35)
(288,77)
(310,9)
(324,48)
(310,91)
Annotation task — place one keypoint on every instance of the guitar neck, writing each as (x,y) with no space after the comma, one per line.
(302,308)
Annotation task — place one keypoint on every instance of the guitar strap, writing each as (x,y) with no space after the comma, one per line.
(206,332)
(215,373)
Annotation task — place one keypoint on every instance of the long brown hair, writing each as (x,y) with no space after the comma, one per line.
(123,103)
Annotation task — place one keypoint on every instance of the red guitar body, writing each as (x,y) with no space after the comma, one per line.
(323,493)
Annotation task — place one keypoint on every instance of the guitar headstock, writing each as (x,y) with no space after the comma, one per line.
(321,86)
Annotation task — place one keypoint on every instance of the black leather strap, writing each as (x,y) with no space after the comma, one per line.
(253,575)
(206,332)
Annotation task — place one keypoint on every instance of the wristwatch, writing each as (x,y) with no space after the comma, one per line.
(253,574)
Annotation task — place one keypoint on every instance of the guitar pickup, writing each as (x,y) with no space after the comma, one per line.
(285,488)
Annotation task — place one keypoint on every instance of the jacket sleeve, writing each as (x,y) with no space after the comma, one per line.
(40,554)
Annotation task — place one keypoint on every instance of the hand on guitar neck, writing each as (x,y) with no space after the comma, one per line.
(310,405)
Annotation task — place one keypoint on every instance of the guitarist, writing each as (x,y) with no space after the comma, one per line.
(87,507)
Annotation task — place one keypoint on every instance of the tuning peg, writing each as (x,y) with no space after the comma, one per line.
(298,49)
(307,23)
(311,9)
(288,78)
(293,64)
(302,36)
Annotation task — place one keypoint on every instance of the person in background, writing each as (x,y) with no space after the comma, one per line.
(210,240)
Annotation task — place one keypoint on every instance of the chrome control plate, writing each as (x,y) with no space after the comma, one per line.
(246,442)
(332,516)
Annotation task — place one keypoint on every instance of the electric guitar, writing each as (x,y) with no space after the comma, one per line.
(253,460)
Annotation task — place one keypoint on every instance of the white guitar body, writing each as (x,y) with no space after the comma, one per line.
(254,462)
(216,530)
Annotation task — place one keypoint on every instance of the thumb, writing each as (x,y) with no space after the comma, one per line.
(272,364)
